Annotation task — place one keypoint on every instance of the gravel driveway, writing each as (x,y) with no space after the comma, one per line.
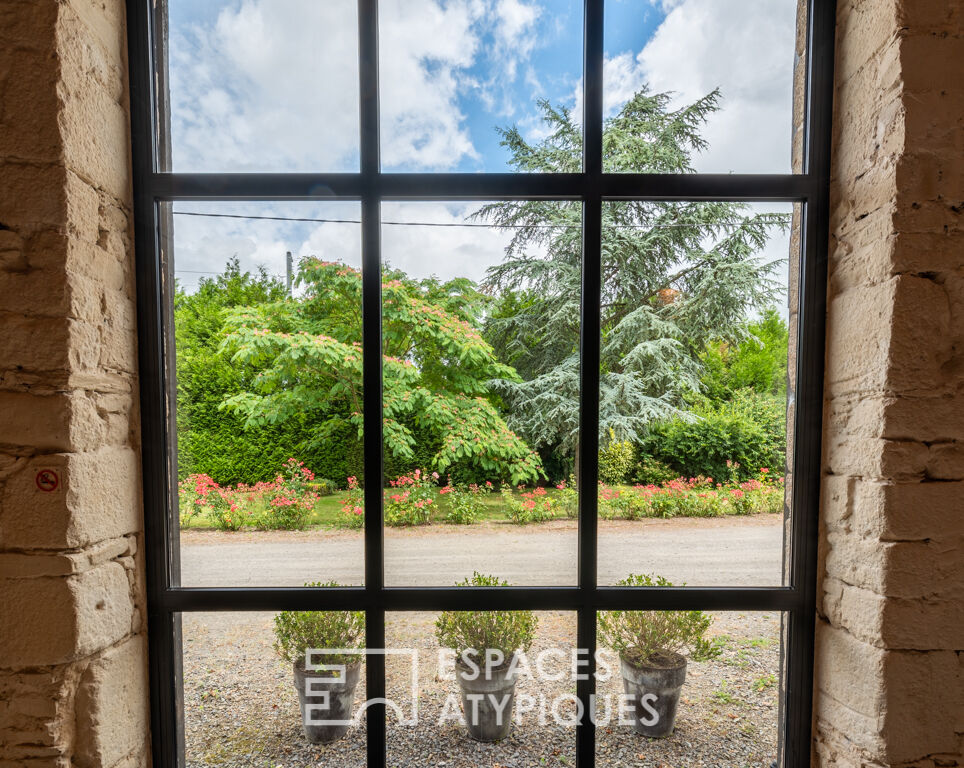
(698,551)
(241,708)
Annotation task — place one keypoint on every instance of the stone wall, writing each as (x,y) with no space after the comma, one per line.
(73,680)
(890,635)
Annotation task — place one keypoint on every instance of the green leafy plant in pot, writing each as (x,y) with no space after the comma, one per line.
(651,647)
(326,695)
(485,645)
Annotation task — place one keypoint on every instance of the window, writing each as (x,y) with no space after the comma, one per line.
(259,179)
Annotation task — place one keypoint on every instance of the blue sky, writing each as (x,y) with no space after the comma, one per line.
(271,85)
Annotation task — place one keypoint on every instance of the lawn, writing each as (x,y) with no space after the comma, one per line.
(329,513)
(421,502)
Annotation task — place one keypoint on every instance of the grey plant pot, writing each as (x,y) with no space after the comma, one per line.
(341,697)
(484,720)
(654,717)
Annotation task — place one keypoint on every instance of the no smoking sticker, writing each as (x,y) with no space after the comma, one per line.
(47,480)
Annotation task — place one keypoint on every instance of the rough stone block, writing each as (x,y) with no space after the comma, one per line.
(97,499)
(112,706)
(41,422)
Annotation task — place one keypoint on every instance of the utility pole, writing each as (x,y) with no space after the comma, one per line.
(288,272)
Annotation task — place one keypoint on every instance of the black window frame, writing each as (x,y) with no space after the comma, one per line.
(153,187)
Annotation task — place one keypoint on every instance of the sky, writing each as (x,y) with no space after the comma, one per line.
(272,85)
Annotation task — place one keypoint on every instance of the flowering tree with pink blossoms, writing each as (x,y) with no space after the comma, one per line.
(306,358)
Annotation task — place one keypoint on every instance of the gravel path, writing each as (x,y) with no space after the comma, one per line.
(704,552)
(241,708)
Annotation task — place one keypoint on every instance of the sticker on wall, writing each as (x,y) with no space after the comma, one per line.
(47,480)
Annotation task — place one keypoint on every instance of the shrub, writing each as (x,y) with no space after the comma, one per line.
(297,631)
(201,492)
(324,487)
(291,500)
(353,505)
(568,497)
(412,499)
(650,471)
(616,459)
(749,430)
(188,500)
(533,506)
(467,631)
(463,503)
(650,637)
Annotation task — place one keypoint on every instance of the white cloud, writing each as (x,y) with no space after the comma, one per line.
(273,84)
(744,47)
(445,252)
(268,86)
(424,48)
(203,245)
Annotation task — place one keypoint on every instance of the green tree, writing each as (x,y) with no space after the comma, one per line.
(758,361)
(209,440)
(675,277)
(308,361)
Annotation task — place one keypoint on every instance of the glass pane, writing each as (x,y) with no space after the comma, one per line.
(518,709)
(462,84)
(693,391)
(246,704)
(680,708)
(268,388)
(696,85)
(481,390)
(263,85)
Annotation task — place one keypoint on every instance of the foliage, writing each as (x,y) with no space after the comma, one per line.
(696,497)
(307,360)
(648,638)
(210,441)
(411,500)
(568,497)
(463,503)
(749,430)
(675,277)
(650,471)
(324,487)
(616,459)
(297,631)
(353,505)
(467,631)
(286,503)
(291,499)
(199,492)
(758,362)
(524,507)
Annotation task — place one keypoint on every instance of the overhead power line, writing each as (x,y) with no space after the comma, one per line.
(393,223)
(422,223)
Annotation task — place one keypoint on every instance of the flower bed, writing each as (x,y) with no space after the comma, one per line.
(284,504)
(695,497)
(292,501)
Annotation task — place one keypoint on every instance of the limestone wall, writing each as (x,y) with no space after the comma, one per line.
(73,682)
(890,636)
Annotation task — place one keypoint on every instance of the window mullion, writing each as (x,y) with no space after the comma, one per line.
(372,375)
(588,453)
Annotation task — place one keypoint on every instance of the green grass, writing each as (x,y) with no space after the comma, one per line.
(328,512)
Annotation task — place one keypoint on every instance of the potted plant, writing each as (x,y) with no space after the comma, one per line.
(324,694)
(485,644)
(651,647)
